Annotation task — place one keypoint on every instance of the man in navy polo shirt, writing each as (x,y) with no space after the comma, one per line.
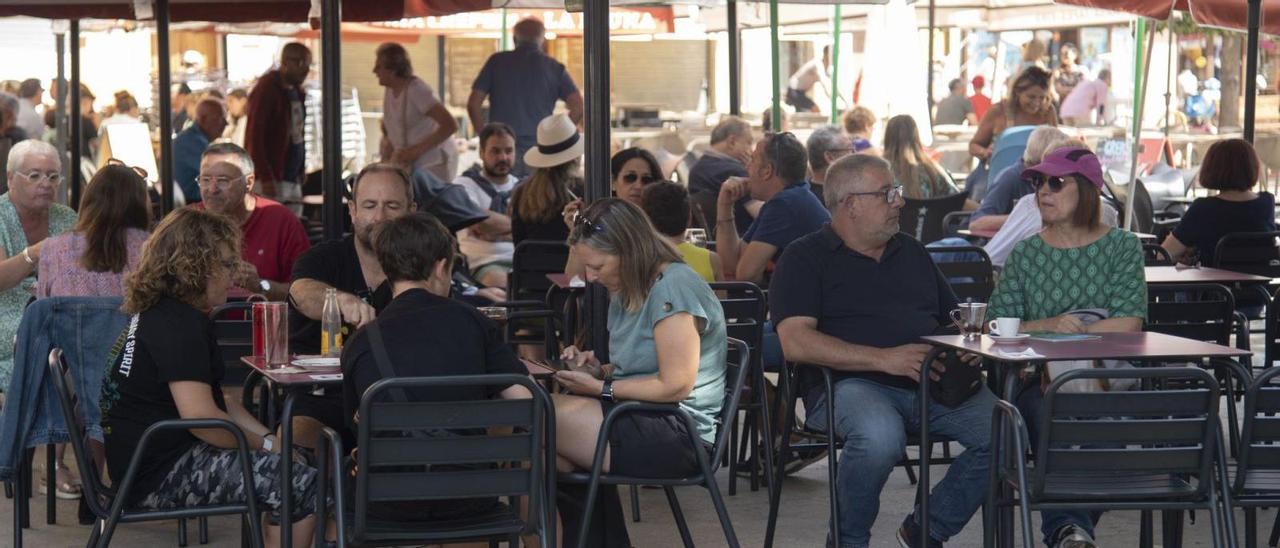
(777,178)
(855,297)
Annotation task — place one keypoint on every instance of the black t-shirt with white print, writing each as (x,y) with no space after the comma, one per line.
(169,342)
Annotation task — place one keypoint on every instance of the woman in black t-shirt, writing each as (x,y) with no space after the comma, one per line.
(166,365)
(1231,167)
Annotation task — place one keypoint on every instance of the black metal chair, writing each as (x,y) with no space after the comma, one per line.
(528,289)
(401,460)
(1257,479)
(955,221)
(745,309)
(1271,344)
(1203,312)
(1256,253)
(108,502)
(735,375)
(971,279)
(922,219)
(1127,449)
(1154,255)
(825,442)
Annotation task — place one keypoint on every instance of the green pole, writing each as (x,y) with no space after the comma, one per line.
(1140,42)
(835,67)
(503,46)
(777,79)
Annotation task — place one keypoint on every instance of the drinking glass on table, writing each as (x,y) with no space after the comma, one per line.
(970,318)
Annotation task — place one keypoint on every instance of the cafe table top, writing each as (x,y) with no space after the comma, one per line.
(1118,346)
(294,375)
(1199,275)
(562,281)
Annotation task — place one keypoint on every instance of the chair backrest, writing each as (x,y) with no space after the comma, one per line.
(955,221)
(1130,431)
(233,327)
(530,264)
(735,375)
(1250,252)
(1008,149)
(745,310)
(922,219)
(1271,344)
(968,270)
(1260,434)
(1154,255)
(97,495)
(1203,312)
(438,450)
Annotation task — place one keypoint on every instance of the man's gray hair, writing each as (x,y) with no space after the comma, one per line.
(231,149)
(1038,144)
(823,140)
(729,126)
(529,30)
(846,173)
(20,152)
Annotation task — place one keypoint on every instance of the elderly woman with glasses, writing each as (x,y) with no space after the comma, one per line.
(1077,275)
(28,215)
(667,344)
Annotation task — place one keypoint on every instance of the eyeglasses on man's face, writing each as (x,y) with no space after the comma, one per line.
(891,194)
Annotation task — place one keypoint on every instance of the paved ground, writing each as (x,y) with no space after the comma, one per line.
(802,521)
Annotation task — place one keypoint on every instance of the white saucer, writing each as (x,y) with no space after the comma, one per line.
(1010,340)
(317,362)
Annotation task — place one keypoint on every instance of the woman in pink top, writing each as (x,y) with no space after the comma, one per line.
(93,259)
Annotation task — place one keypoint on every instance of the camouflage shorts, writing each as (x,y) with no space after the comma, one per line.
(207,475)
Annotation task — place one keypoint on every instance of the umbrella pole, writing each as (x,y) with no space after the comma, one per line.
(60,106)
(1140,94)
(331,108)
(1168,79)
(163,80)
(77,138)
(735,61)
(1251,68)
(928,93)
(595,22)
(776,111)
(835,65)
(504,42)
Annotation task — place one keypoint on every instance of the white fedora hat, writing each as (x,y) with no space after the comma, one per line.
(558,142)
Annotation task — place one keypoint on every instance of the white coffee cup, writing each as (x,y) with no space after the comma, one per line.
(1005,327)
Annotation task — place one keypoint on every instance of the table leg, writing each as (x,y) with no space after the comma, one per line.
(286,469)
(922,494)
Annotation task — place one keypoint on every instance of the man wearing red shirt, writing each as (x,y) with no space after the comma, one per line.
(273,237)
(981,103)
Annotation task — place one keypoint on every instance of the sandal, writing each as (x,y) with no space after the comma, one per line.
(67,485)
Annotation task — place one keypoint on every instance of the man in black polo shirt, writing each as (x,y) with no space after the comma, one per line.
(382,192)
(855,297)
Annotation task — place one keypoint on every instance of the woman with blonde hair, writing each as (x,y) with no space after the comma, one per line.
(538,203)
(921,178)
(667,342)
(166,365)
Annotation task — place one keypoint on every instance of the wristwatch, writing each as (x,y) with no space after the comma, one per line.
(267,443)
(606,393)
(264,285)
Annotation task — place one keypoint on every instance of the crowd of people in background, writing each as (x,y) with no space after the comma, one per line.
(802,218)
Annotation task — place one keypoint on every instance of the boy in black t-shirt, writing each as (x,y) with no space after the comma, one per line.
(426,334)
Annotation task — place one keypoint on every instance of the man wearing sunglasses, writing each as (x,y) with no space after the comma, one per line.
(777,178)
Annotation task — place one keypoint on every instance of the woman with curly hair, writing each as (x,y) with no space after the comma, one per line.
(166,365)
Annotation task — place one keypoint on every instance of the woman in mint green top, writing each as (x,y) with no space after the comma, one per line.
(667,343)
(28,215)
(1074,263)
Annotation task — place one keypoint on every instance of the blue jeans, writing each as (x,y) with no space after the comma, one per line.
(1031,404)
(873,420)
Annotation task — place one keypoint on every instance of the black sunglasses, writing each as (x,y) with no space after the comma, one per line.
(1055,182)
(587,226)
(632,177)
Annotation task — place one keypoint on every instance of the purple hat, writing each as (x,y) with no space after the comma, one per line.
(1077,161)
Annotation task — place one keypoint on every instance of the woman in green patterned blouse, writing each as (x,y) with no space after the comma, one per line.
(1074,263)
